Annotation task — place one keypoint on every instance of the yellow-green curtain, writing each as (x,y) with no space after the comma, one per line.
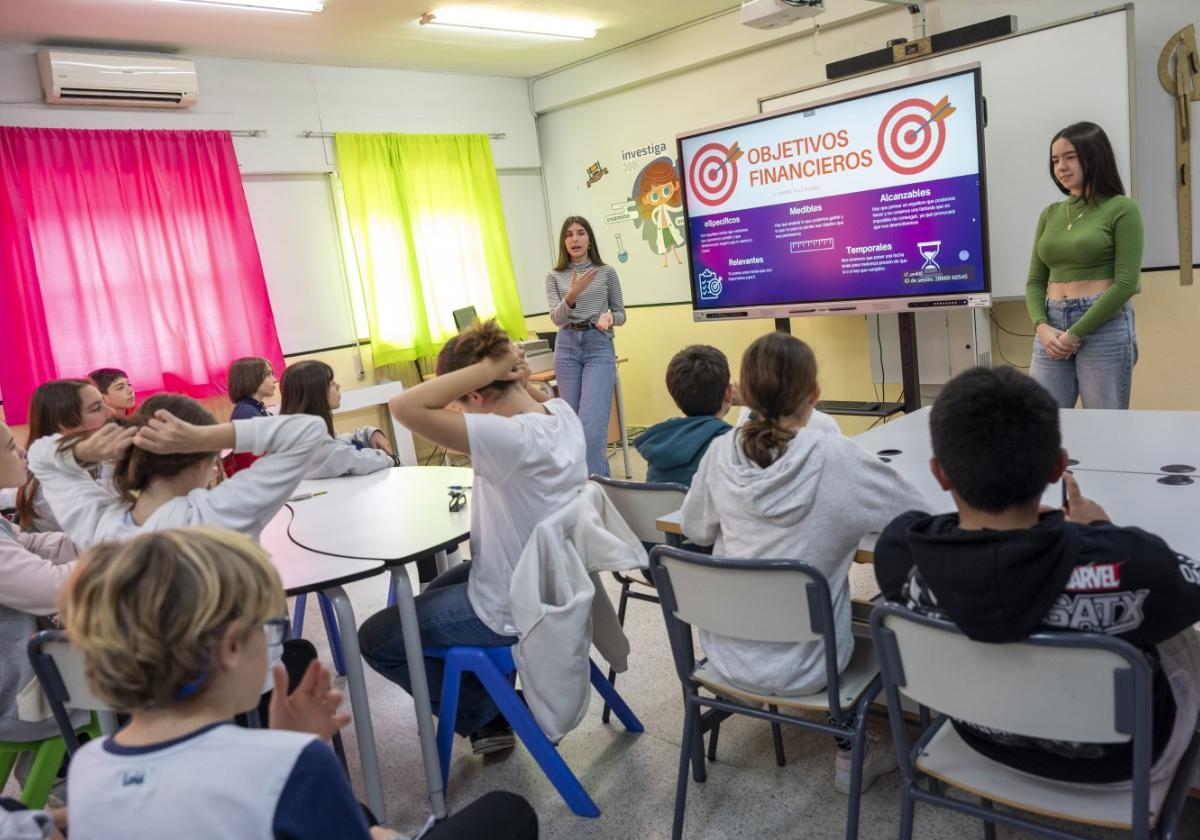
(428,234)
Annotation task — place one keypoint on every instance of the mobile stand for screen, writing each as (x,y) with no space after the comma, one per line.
(909,378)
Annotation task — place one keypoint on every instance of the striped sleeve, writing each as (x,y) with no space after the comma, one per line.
(616,302)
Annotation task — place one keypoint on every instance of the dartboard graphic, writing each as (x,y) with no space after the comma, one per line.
(713,174)
(910,139)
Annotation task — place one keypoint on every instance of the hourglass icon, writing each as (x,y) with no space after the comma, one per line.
(622,254)
(929,250)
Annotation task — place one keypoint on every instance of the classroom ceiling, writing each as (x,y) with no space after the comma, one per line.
(359,33)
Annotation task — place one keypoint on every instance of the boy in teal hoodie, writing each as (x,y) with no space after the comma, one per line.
(698,380)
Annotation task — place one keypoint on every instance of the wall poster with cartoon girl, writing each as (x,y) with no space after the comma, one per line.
(660,208)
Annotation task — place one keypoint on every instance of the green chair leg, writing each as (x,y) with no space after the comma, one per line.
(48,757)
(8,759)
(46,761)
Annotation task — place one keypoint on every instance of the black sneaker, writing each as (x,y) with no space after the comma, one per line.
(493,737)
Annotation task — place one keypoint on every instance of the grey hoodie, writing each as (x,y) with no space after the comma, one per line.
(813,504)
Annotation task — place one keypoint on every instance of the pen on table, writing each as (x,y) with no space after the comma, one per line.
(304,496)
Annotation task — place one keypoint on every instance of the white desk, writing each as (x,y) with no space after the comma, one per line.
(1131,441)
(1117,441)
(393,516)
(355,399)
(303,571)
(1110,440)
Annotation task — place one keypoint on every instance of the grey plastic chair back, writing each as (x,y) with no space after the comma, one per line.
(1061,686)
(60,670)
(642,503)
(759,601)
(755,600)
(1064,687)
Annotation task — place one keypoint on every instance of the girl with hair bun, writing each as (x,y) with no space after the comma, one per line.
(529,458)
(164,460)
(776,489)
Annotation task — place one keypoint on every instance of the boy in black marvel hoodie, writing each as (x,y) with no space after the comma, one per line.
(1003,567)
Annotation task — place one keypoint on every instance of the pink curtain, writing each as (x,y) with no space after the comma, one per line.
(128,249)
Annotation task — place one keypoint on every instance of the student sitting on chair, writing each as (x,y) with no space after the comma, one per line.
(309,388)
(163,465)
(776,489)
(699,383)
(530,459)
(182,673)
(1002,568)
(57,407)
(114,387)
(33,567)
(251,381)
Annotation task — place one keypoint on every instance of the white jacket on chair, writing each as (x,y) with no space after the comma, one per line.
(556,614)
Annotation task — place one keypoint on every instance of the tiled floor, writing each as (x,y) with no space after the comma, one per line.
(632,777)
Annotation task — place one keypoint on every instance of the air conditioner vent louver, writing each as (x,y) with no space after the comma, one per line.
(70,78)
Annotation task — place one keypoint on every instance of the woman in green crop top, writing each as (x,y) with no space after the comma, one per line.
(1086,264)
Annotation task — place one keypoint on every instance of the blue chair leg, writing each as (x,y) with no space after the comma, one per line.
(448,712)
(614,701)
(298,617)
(331,630)
(531,735)
(391,598)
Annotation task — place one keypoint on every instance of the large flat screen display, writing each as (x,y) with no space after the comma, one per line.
(871,202)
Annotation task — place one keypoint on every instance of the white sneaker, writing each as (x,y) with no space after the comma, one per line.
(880,759)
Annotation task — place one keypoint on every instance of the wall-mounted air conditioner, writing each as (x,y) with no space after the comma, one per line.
(98,79)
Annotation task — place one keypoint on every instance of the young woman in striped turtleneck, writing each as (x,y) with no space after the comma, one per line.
(584,298)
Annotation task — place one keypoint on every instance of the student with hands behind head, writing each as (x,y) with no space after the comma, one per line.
(529,458)
(163,465)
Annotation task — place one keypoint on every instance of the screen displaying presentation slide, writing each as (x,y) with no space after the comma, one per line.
(871,197)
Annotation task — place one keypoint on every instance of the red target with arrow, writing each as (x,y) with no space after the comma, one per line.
(912,134)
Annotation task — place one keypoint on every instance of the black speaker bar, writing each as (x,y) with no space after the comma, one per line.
(906,50)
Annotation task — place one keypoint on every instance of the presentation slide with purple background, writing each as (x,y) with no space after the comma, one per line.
(921,239)
(874,196)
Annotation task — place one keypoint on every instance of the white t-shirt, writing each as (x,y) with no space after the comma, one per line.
(220,781)
(526,468)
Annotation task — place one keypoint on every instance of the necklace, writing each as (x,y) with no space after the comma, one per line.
(1071,222)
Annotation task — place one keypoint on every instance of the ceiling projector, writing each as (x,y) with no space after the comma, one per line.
(769,14)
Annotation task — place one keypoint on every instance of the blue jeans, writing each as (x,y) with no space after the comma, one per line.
(1101,371)
(585,366)
(444,618)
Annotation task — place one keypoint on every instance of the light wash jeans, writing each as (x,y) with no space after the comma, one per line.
(585,366)
(1101,371)
(444,618)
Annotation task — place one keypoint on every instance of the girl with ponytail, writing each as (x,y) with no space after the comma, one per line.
(776,489)
(530,459)
(164,460)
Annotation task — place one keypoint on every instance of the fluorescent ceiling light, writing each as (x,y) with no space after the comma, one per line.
(518,22)
(295,7)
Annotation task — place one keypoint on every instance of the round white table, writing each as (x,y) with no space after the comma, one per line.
(395,516)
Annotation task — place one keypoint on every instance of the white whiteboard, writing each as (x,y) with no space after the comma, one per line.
(1034,84)
(529,239)
(297,238)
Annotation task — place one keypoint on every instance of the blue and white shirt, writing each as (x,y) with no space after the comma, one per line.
(221,781)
